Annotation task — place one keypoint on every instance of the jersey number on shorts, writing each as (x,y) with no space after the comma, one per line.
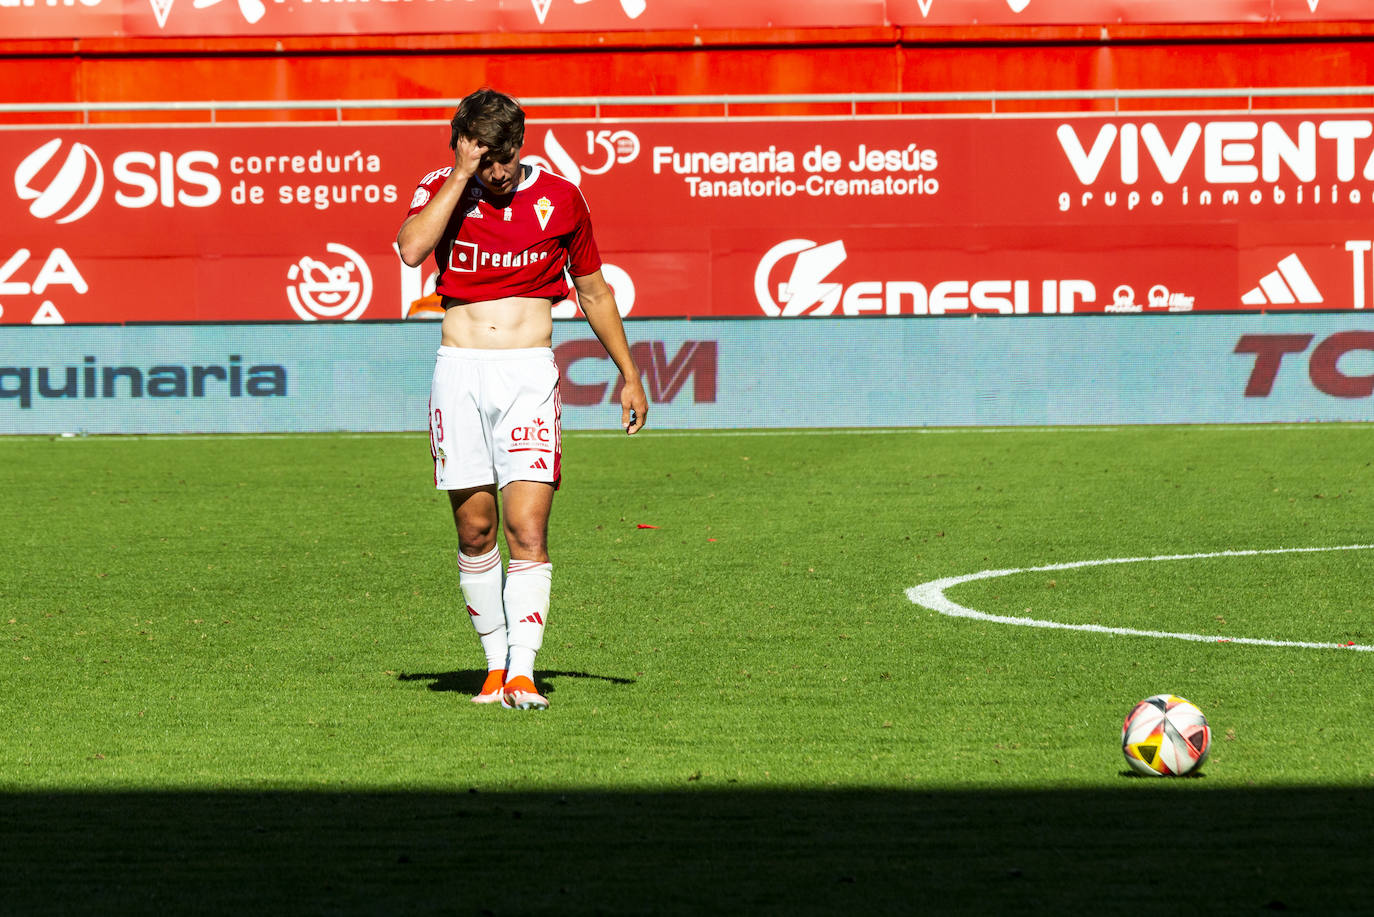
(436,429)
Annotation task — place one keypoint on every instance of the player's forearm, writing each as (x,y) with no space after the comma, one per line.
(618,349)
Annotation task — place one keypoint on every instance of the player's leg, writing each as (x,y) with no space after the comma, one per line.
(528,583)
(460,441)
(528,458)
(475,515)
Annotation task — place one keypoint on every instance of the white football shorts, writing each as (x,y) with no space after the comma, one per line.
(494,417)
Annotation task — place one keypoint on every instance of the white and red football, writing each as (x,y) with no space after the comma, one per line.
(1165,736)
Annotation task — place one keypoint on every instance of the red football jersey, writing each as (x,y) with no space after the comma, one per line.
(516,244)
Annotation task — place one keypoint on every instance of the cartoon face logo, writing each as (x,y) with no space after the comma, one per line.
(320,290)
(70,192)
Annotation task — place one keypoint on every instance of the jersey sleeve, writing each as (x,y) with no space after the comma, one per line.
(583,256)
(426,189)
(418,200)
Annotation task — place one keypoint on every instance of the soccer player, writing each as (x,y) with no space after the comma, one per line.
(503,234)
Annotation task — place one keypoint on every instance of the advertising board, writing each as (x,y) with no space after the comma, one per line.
(709,374)
(757,218)
(154,18)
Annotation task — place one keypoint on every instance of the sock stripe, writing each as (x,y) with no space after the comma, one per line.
(524,566)
(482,563)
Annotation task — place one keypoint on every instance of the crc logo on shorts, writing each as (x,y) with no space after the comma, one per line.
(66,192)
(535,437)
(337,290)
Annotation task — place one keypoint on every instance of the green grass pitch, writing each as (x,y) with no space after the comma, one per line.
(234,674)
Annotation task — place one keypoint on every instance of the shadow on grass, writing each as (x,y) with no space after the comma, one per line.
(469,681)
(695,851)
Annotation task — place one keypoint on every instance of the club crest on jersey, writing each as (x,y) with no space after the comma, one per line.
(543,209)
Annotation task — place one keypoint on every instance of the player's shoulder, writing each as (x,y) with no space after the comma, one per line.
(543,182)
(438,175)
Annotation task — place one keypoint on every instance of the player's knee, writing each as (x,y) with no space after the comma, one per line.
(528,542)
(476,537)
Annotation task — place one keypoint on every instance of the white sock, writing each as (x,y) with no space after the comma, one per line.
(527,603)
(480,579)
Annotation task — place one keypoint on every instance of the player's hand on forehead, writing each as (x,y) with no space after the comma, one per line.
(469,154)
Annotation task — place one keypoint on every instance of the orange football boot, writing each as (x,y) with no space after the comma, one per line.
(491,688)
(519,694)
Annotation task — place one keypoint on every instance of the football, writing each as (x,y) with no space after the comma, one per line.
(1165,736)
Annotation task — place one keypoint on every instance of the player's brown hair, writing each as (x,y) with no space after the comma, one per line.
(494,120)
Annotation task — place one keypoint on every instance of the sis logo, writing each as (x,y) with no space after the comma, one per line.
(66,186)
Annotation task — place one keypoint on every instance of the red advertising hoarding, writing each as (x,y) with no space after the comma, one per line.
(203,18)
(1092,12)
(762,218)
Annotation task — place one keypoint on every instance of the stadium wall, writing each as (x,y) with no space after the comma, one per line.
(771,66)
(231,61)
(1051,370)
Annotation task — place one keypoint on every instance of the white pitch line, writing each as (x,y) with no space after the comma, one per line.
(932,595)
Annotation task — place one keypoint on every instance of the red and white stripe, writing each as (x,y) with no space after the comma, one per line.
(557,435)
(433,449)
(480,564)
